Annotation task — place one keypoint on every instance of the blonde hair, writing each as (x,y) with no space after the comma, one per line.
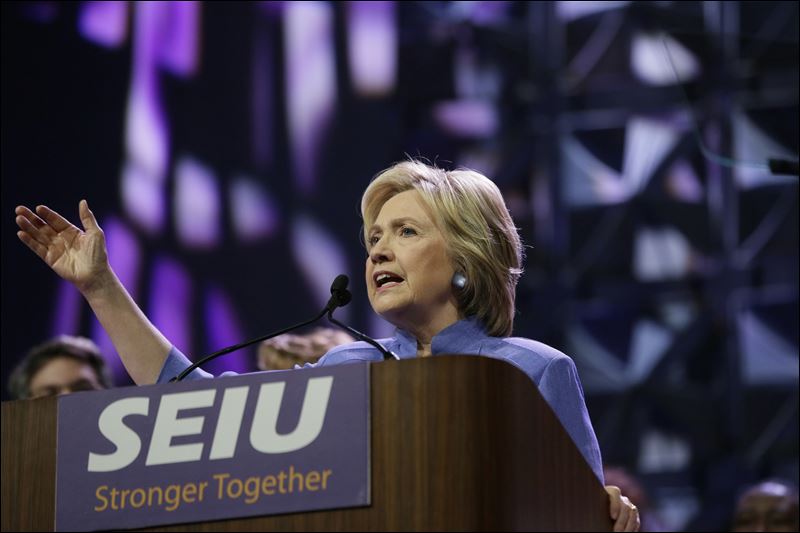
(482,240)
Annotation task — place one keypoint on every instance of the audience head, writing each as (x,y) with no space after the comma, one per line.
(61,365)
(767,506)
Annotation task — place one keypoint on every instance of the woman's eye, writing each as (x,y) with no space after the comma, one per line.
(405,232)
(374,240)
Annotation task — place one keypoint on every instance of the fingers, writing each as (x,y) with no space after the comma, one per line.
(31,231)
(87,217)
(622,522)
(614,496)
(628,517)
(633,520)
(38,248)
(22,211)
(53,219)
(34,226)
(41,230)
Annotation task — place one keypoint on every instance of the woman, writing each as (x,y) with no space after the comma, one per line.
(444,258)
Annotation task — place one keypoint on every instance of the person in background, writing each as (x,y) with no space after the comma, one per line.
(767,506)
(284,352)
(61,365)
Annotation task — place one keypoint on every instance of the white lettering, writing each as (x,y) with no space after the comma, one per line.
(124,438)
(263,434)
(230,422)
(168,425)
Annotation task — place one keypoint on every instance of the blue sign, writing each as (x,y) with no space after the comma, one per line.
(257,444)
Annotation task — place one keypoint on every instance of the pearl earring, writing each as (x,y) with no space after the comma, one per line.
(459,280)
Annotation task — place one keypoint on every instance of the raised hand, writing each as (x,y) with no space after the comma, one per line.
(78,256)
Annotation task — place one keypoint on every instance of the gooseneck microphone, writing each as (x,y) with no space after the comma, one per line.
(775,166)
(344,296)
(340,296)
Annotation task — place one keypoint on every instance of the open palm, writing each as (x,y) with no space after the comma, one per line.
(75,255)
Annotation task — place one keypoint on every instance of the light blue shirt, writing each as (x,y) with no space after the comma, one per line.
(552,371)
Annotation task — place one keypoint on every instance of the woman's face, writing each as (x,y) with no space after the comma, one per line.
(408,270)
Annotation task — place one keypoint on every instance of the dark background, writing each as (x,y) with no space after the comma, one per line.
(662,254)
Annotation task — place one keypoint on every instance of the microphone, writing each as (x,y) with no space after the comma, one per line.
(784,166)
(339,293)
(343,295)
(340,297)
(774,165)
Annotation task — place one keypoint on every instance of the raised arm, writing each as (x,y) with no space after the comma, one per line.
(80,257)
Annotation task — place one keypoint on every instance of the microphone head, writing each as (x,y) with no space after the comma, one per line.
(340,283)
(343,298)
(340,296)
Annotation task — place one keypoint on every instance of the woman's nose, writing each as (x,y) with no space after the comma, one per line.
(380,252)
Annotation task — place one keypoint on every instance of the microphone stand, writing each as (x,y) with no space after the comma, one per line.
(340,297)
(230,349)
(387,354)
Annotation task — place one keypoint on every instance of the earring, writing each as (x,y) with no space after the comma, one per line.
(459,280)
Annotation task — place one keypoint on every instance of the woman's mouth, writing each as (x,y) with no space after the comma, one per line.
(386,280)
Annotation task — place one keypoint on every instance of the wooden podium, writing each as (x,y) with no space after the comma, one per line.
(459,443)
